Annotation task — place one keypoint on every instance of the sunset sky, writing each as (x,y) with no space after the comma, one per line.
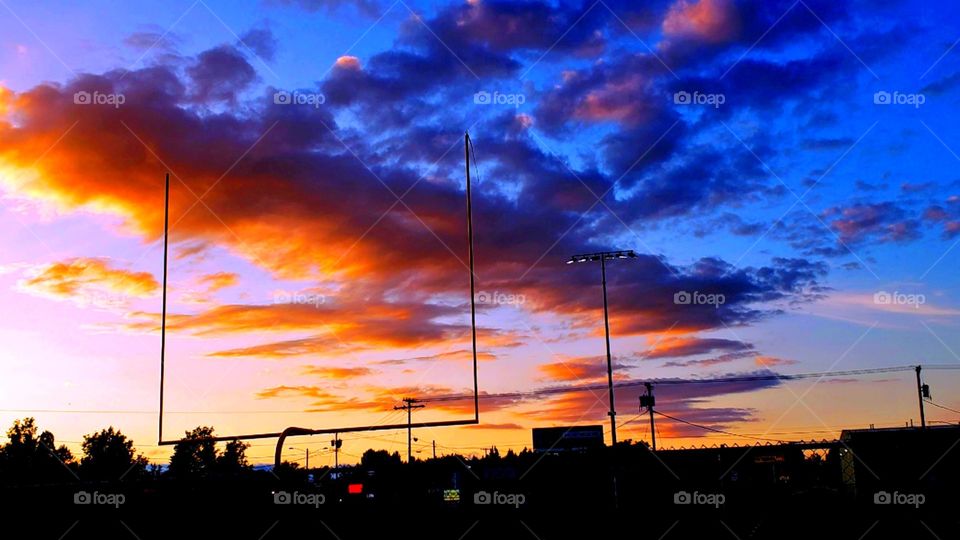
(796,161)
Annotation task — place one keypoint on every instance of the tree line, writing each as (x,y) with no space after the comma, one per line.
(32,456)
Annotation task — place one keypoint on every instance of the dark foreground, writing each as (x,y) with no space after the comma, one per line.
(877,485)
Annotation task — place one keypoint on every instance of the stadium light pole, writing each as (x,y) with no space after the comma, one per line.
(603,256)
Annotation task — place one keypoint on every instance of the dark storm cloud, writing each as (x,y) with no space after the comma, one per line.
(220,74)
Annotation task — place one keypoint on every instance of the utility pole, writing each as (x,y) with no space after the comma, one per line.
(409,405)
(923,418)
(434,449)
(306,465)
(336,443)
(649,401)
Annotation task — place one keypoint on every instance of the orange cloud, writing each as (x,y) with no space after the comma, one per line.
(6,100)
(321,400)
(337,372)
(616,101)
(348,62)
(462,354)
(219,280)
(495,426)
(88,281)
(679,346)
(770,361)
(711,21)
(374,324)
(583,369)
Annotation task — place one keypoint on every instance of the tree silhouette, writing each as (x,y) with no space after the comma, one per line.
(109,455)
(380,459)
(233,458)
(195,456)
(31,458)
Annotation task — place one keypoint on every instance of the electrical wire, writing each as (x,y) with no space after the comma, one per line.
(661,382)
(620,425)
(708,428)
(542,391)
(941,406)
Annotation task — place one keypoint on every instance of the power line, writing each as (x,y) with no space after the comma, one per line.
(537,392)
(629,384)
(708,428)
(941,406)
(119,411)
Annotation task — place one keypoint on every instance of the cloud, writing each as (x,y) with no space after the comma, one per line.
(332,218)
(88,281)
(218,280)
(712,21)
(461,354)
(771,361)
(261,41)
(147,40)
(687,401)
(708,362)
(891,300)
(495,426)
(320,399)
(581,369)
(688,346)
(387,324)
(337,373)
(884,222)
(220,74)
(369,8)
